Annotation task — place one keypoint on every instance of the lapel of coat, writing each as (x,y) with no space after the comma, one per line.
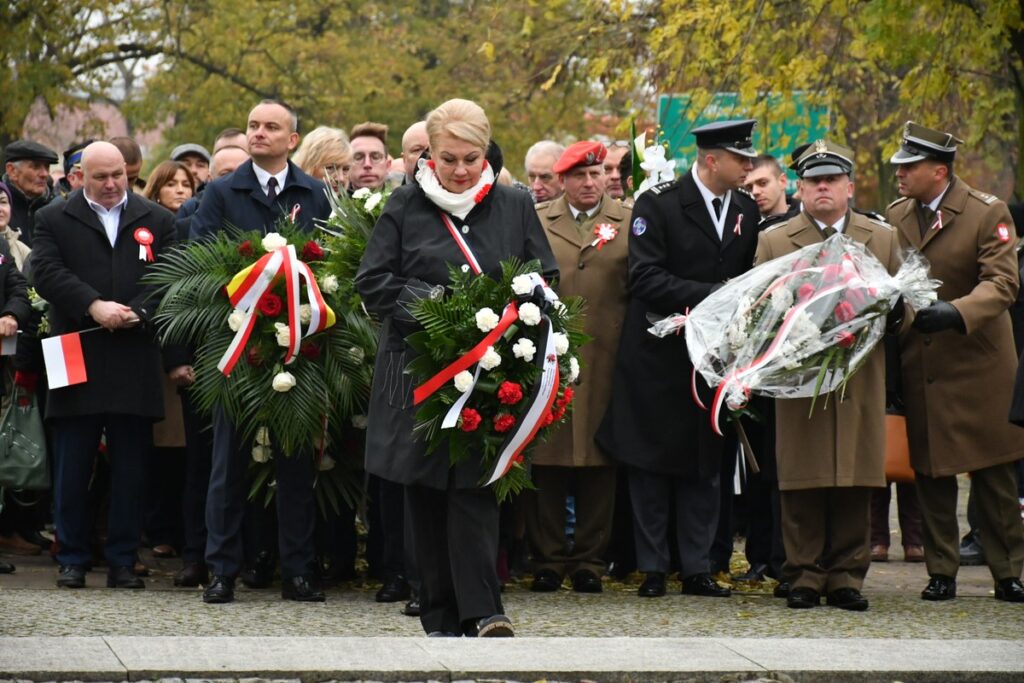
(134,210)
(562,223)
(904,219)
(732,217)
(695,208)
(77,207)
(857,228)
(951,206)
(244,178)
(804,231)
(610,212)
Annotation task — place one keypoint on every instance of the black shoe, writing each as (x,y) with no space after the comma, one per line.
(191,575)
(847,598)
(71,576)
(939,588)
(586,581)
(412,608)
(803,598)
(653,585)
(124,577)
(261,573)
(1010,590)
(781,590)
(705,586)
(301,589)
(443,634)
(497,626)
(971,552)
(395,589)
(221,590)
(6,568)
(545,581)
(755,574)
(38,539)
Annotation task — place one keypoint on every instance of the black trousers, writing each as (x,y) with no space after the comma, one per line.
(455,536)
(198,452)
(385,544)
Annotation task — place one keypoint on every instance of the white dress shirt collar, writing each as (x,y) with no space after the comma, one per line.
(109,218)
(838,225)
(709,197)
(263,177)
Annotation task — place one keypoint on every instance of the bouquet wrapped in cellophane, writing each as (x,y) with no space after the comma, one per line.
(797,326)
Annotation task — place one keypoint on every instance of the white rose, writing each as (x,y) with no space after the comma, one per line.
(522,285)
(273,241)
(464,381)
(574,369)
(282,334)
(529,313)
(372,201)
(283,381)
(361,193)
(359,421)
(561,343)
(486,319)
(235,320)
(263,436)
(329,285)
(491,359)
(305,313)
(525,349)
(261,453)
(326,463)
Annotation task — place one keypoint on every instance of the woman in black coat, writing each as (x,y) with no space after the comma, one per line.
(455,523)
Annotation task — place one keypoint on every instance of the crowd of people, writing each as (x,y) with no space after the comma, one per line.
(638,480)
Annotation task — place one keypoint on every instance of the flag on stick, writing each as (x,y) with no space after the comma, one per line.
(65,364)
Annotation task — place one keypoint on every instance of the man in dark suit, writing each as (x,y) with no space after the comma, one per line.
(89,254)
(686,238)
(256,196)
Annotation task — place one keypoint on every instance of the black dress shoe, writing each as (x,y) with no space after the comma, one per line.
(301,589)
(939,588)
(545,581)
(124,577)
(755,574)
(847,598)
(1010,590)
(261,573)
(497,626)
(443,634)
(395,589)
(6,568)
(191,575)
(803,598)
(653,585)
(221,590)
(586,581)
(705,586)
(412,608)
(38,539)
(71,576)
(781,590)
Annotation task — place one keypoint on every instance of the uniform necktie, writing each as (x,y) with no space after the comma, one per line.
(928,221)
(272,188)
(829,231)
(717,204)
(580,217)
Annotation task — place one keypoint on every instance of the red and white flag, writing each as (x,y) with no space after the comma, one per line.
(65,364)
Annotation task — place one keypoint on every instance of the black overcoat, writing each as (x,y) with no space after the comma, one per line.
(409,252)
(675,259)
(73,265)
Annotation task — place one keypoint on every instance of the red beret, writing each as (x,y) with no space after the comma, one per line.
(585,153)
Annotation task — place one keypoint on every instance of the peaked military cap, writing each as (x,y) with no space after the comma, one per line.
(26,149)
(795,155)
(73,154)
(824,157)
(735,136)
(921,143)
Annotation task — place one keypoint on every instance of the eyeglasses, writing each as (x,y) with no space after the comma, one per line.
(375,157)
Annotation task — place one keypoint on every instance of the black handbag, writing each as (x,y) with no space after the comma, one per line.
(23,462)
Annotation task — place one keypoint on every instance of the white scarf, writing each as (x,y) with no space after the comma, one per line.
(456,204)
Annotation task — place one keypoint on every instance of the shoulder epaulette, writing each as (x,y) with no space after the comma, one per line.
(743,190)
(774,222)
(984,196)
(873,215)
(543,205)
(661,187)
(901,199)
(881,223)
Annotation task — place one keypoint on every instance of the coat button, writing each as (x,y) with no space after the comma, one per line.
(465,229)
(581,265)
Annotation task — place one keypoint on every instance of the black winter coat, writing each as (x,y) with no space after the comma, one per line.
(73,265)
(24,209)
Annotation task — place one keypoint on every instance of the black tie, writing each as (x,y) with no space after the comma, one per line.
(717,204)
(272,188)
(929,220)
(829,231)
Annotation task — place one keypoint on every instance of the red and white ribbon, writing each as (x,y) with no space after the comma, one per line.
(145,239)
(937,225)
(462,244)
(738,230)
(605,232)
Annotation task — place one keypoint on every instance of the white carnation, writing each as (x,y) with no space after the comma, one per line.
(263,436)
(326,463)
(464,381)
(329,285)
(574,369)
(781,300)
(522,285)
(491,359)
(305,313)
(359,421)
(486,319)
(561,343)
(274,241)
(361,193)
(372,201)
(261,453)
(525,349)
(236,319)
(529,313)
(283,381)
(282,334)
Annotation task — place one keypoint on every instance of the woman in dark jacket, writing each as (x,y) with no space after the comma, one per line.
(455,523)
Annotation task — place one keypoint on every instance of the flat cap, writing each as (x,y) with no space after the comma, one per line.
(583,153)
(735,136)
(26,149)
(824,157)
(189,148)
(921,143)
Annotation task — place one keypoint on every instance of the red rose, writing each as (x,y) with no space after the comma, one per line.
(245,248)
(832,272)
(560,413)
(270,304)
(482,193)
(253,357)
(805,292)
(855,295)
(510,393)
(312,252)
(469,420)
(503,422)
(845,339)
(844,312)
(310,350)
(566,398)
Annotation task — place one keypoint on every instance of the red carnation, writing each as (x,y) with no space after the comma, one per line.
(845,339)
(805,292)
(310,350)
(510,393)
(270,304)
(312,252)
(844,312)
(503,422)
(482,193)
(245,248)
(566,398)
(560,413)
(548,419)
(469,420)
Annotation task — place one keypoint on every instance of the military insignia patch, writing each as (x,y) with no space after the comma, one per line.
(1003,232)
(639,226)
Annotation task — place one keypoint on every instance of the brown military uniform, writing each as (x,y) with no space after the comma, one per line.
(958,387)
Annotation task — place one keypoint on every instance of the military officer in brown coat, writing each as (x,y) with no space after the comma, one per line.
(586,229)
(958,362)
(828,462)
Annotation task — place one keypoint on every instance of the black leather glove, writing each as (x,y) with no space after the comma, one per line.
(940,316)
(895,317)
